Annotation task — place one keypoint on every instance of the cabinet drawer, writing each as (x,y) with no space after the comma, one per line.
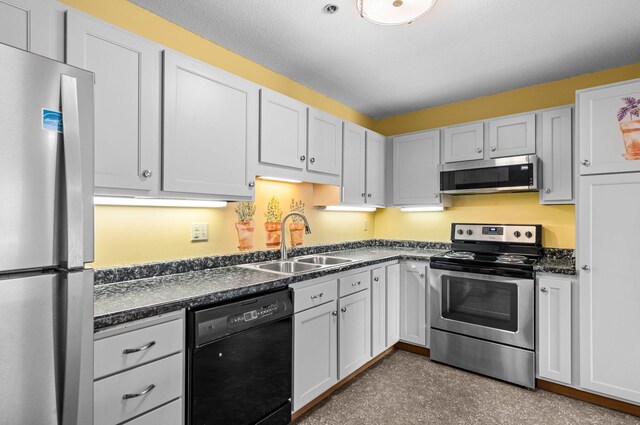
(312,296)
(165,338)
(354,283)
(111,408)
(169,414)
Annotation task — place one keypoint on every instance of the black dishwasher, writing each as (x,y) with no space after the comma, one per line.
(239,362)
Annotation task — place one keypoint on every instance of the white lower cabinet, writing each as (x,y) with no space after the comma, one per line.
(554,328)
(378,311)
(139,372)
(393,304)
(354,329)
(315,352)
(413,303)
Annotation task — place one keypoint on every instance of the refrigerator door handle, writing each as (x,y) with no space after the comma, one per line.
(73,172)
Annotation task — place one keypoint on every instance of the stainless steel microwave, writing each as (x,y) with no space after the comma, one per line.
(512,174)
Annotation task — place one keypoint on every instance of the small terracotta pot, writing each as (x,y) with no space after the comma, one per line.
(273,229)
(631,135)
(245,235)
(297,233)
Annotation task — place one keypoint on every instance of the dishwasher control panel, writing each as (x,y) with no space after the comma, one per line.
(217,322)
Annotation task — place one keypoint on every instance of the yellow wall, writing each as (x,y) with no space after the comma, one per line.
(126,235)
(130,235)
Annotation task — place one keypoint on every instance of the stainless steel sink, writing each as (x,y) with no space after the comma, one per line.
(323,260)
(288,267)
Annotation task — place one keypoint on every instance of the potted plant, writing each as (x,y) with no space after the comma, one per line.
(273,225)
(245,225)
(296,227)
(631,128)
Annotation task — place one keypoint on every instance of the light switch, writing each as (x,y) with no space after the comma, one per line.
(199,232)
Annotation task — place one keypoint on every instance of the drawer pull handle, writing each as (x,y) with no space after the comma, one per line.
(146,391)
(313,297)
(137,350)
(355,283)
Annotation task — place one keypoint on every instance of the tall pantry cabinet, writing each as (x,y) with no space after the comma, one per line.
(607,215)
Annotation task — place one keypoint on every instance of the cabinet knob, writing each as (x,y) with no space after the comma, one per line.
(363,194)
(479,150)
(547,190)
(435,195)
(376,279)
(302,157)
(585,268)
(421,274)
(312,160)
(252,184)
(543,290)
(334,313)
(368,195)
(493,148)
(147,173)
(586,162)
(343,309)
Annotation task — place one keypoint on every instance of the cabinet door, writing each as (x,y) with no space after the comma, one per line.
(353,165)
(375,169)
(609,290)
(354,333)
(393,304)
(413,300)
(127,101)
(325,142)
(557,156)
(210,126)
(315,353)
(609,128)
(512,136)
(464,142)
(554,329)
(378,311)
(416,180)
(25,24)
(283,130)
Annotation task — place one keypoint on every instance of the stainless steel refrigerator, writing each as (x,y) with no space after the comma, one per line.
(46,237)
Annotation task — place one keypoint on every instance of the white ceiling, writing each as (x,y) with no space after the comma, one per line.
(462,49)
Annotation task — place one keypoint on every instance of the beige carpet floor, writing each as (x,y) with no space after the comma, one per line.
(406,388)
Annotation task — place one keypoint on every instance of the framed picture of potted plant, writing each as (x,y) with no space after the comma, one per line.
(273,224)
(245,225)
(296,227)
(629,120)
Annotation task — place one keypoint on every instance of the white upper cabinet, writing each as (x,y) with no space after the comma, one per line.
(511,136)
(375,168)
(25,24)
(554,328)
(210,128)
(557,156)
(464,142)
(416,180)
(609,128)
(353,165)
(609,287)
(127,101)
(325,142)
(283,131)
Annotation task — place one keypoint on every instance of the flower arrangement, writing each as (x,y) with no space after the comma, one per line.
(274,212)
(245,211)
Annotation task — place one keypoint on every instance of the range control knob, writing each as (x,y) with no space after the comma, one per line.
(469,232)
(517,234)
(528,234)
(460,231)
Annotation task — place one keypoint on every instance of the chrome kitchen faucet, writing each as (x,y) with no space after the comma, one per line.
(283,241)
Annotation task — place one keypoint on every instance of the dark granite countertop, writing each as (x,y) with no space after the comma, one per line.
(556,265)
(121,302)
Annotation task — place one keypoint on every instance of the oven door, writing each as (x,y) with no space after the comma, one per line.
(494,308)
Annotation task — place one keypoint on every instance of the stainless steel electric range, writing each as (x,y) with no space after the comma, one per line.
(482,300)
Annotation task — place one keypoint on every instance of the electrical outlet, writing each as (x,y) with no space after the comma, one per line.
(366,226)
(199,232)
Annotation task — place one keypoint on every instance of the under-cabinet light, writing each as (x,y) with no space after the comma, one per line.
(421,209)
(279,179)
(156,202)
(347,208)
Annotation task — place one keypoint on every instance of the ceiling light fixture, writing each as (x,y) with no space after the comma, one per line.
(156,202)
(393,12)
